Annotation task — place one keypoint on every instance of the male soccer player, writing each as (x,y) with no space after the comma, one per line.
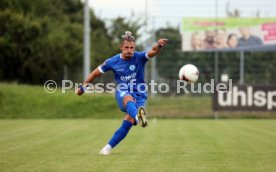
(128,67)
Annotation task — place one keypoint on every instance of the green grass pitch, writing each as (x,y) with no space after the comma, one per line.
(166,145)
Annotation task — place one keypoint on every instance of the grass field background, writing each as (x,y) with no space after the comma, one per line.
(166,145)
(64,132)
(24,101)
(29,102)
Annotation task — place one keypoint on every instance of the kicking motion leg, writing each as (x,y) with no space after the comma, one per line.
(138,114)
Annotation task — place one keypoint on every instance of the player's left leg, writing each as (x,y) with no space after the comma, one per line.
(118,136)
(121,133)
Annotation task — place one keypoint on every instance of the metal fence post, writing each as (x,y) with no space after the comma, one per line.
(241,67)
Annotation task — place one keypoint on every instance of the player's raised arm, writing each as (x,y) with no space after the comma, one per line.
(157,48)
(94,74)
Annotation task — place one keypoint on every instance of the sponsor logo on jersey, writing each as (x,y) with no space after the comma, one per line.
(128,77)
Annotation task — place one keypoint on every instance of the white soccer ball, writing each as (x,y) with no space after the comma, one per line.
(188,73)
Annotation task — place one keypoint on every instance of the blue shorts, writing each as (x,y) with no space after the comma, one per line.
(139,99)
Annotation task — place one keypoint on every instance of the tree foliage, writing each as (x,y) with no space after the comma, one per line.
(39,37)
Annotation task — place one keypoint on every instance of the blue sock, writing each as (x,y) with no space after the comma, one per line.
(120,134)
(131,109)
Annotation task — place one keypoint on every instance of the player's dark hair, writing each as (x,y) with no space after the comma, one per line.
(128,37)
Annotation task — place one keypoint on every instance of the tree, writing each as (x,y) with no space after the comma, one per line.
(232,14)
(39,37)
(171,55)
(120,25)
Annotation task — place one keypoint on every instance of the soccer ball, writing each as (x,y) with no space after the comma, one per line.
(188,73)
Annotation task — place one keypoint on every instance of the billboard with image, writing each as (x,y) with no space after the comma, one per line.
(199,34)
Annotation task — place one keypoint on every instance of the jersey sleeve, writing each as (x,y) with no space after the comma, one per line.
(144,56)
(106,66)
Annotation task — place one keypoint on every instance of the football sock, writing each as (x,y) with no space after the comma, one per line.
(120,134)
(131,109)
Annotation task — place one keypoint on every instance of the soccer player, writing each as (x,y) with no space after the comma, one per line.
(128,67)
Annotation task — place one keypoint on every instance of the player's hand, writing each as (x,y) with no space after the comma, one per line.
(81,90)
(162,42)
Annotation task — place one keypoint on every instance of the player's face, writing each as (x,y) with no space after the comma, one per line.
(128,49)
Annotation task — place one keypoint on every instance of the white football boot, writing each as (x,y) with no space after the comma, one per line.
(106,150)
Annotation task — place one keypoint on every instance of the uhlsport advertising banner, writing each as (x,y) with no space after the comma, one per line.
(199,34)
(246,98)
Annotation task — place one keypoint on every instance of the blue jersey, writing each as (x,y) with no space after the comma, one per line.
(127,71)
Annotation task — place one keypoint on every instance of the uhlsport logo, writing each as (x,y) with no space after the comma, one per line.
(247,98)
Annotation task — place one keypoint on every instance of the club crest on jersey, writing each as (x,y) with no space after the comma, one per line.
(132,67)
